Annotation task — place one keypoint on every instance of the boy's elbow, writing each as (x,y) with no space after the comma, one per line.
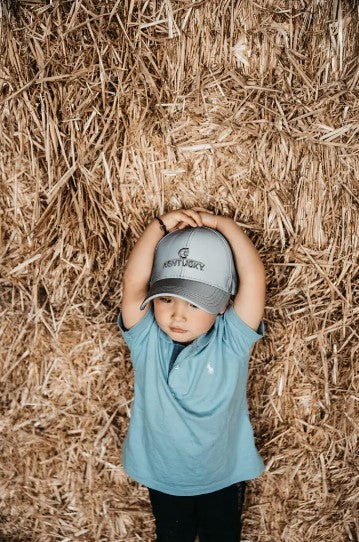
(260,275)
(128,277)
(259,268)
(263,272)
(256,272)
(254,279)
(132,283)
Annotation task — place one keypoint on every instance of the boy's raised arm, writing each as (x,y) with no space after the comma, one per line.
(137,274)
(250,299)
(139,266)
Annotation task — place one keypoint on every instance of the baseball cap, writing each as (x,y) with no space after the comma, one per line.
(194,264)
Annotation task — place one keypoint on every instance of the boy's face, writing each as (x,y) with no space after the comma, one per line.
(182,321)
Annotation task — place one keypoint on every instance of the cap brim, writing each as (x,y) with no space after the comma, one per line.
(205,297)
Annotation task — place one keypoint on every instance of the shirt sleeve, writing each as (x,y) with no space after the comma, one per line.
(137,335)
(238,335)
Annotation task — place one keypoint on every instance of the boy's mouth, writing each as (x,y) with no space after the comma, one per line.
(177,330)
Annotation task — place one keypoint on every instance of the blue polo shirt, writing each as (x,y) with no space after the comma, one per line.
(190,431)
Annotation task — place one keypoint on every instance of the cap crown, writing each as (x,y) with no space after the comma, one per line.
(199,254)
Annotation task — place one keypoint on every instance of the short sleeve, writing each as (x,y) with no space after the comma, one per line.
(238,335)
(138,334)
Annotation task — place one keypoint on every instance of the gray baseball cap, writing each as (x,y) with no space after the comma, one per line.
(194,264)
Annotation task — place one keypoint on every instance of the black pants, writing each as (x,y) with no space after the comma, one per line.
(215,517)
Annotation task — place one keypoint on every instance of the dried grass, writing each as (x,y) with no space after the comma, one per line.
(110,113)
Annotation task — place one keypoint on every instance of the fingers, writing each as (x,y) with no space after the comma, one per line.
(181,218)
(209,218)
(194,217)
(202,209)
(174,219)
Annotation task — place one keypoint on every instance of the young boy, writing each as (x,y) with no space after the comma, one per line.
(190,440)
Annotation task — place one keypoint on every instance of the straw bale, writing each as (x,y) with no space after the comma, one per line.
(110,113)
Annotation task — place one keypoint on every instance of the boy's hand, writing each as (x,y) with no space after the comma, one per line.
(197,216)
(180,218)
(209,219)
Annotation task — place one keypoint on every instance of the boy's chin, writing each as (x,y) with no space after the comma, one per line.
(180,337)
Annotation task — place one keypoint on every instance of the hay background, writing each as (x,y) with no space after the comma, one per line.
(112,112)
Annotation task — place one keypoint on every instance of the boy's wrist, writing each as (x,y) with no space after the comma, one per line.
(156,228)
(162,225)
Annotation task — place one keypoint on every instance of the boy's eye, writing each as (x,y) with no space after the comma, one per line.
(166,299)
(193,306)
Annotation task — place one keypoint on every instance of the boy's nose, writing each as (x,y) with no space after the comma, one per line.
(179,312)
